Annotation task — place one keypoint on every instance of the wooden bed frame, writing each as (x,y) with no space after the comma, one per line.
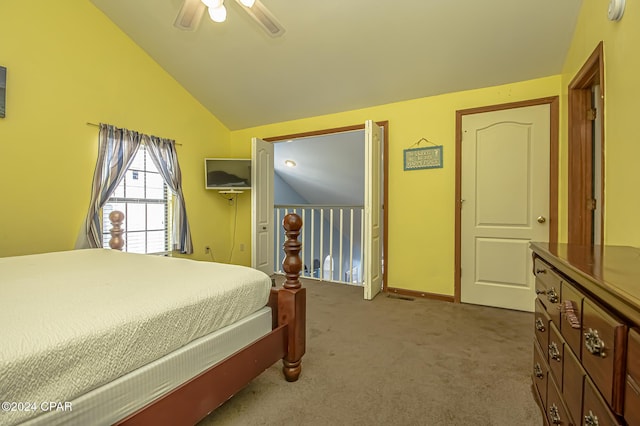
(196,398)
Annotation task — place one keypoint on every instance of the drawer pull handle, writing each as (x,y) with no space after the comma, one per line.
(537,371)
(591,419)
(554,352)
(552,295)
(541,271)
(570,314)
(593,343)
(554,414)
(540,325)
(540,291)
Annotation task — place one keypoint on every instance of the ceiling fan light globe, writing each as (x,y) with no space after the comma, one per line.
(248,3)
(213,4)
(218,14)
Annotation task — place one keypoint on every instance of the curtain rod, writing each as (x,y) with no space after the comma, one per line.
(97,125)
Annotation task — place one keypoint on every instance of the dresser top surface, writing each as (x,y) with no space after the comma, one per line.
(611,272)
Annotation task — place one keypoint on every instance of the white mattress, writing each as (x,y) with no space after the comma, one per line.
(133,391)
(74,321)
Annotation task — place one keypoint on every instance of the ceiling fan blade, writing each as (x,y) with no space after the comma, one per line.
(190,15)
(264,17)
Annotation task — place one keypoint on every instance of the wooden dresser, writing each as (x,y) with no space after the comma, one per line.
(586,351)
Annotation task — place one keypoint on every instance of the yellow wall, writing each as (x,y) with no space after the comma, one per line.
(421,203)
(63,72)
(421,221)
(622,101)
(67,65)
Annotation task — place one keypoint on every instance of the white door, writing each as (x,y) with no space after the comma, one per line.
(262,226)
(505,188)
(372,211)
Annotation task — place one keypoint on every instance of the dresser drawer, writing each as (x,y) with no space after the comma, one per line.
(603,352)
(548,288)
(557,413)
(541,325)
(572,384)
(595,411)
(632,390)
(571,317)
(540,373)
(539,269)
(555,353)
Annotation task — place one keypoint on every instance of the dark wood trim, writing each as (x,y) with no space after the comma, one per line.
(554,169)
(420,294)
(554,111)
(385,164)
(457,206)
(580,168)
(591,70)
(385,203)
(580,146)
(602,141)
(509,105)
(321,132)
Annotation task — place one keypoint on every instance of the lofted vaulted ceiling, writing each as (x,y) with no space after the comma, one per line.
(339,55)
(329,169)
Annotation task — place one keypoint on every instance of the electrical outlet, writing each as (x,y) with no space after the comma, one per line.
(241,246)
(207,249)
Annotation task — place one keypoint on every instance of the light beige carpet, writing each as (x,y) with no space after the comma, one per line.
(397,362)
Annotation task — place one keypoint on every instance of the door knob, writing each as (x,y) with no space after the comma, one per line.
(542,219)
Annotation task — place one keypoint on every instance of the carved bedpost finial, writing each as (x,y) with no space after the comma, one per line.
(292,264)
(292,300)
(116,242)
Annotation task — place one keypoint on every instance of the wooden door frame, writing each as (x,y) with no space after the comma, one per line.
(553,103)
(580,145)
(385,184)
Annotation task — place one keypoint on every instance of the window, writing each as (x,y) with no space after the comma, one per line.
(145,200)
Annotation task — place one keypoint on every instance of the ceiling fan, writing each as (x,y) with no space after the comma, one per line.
(191,13)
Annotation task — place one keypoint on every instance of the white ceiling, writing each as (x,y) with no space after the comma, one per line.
(339,55)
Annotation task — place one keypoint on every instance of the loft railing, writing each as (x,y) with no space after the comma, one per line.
(332,239)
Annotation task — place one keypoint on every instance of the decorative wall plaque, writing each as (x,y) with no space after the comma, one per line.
(423,158)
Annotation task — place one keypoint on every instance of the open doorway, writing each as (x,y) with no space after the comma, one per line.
(586,153)
(322,179)
(328,191)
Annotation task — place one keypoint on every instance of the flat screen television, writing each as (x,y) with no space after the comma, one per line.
(227,174)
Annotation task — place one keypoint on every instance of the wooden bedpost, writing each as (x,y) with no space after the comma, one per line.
(292,299)
(116,242)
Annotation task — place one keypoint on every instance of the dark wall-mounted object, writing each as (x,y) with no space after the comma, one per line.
(3,91)
(227,173)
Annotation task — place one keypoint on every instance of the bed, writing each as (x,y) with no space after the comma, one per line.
(104,337)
